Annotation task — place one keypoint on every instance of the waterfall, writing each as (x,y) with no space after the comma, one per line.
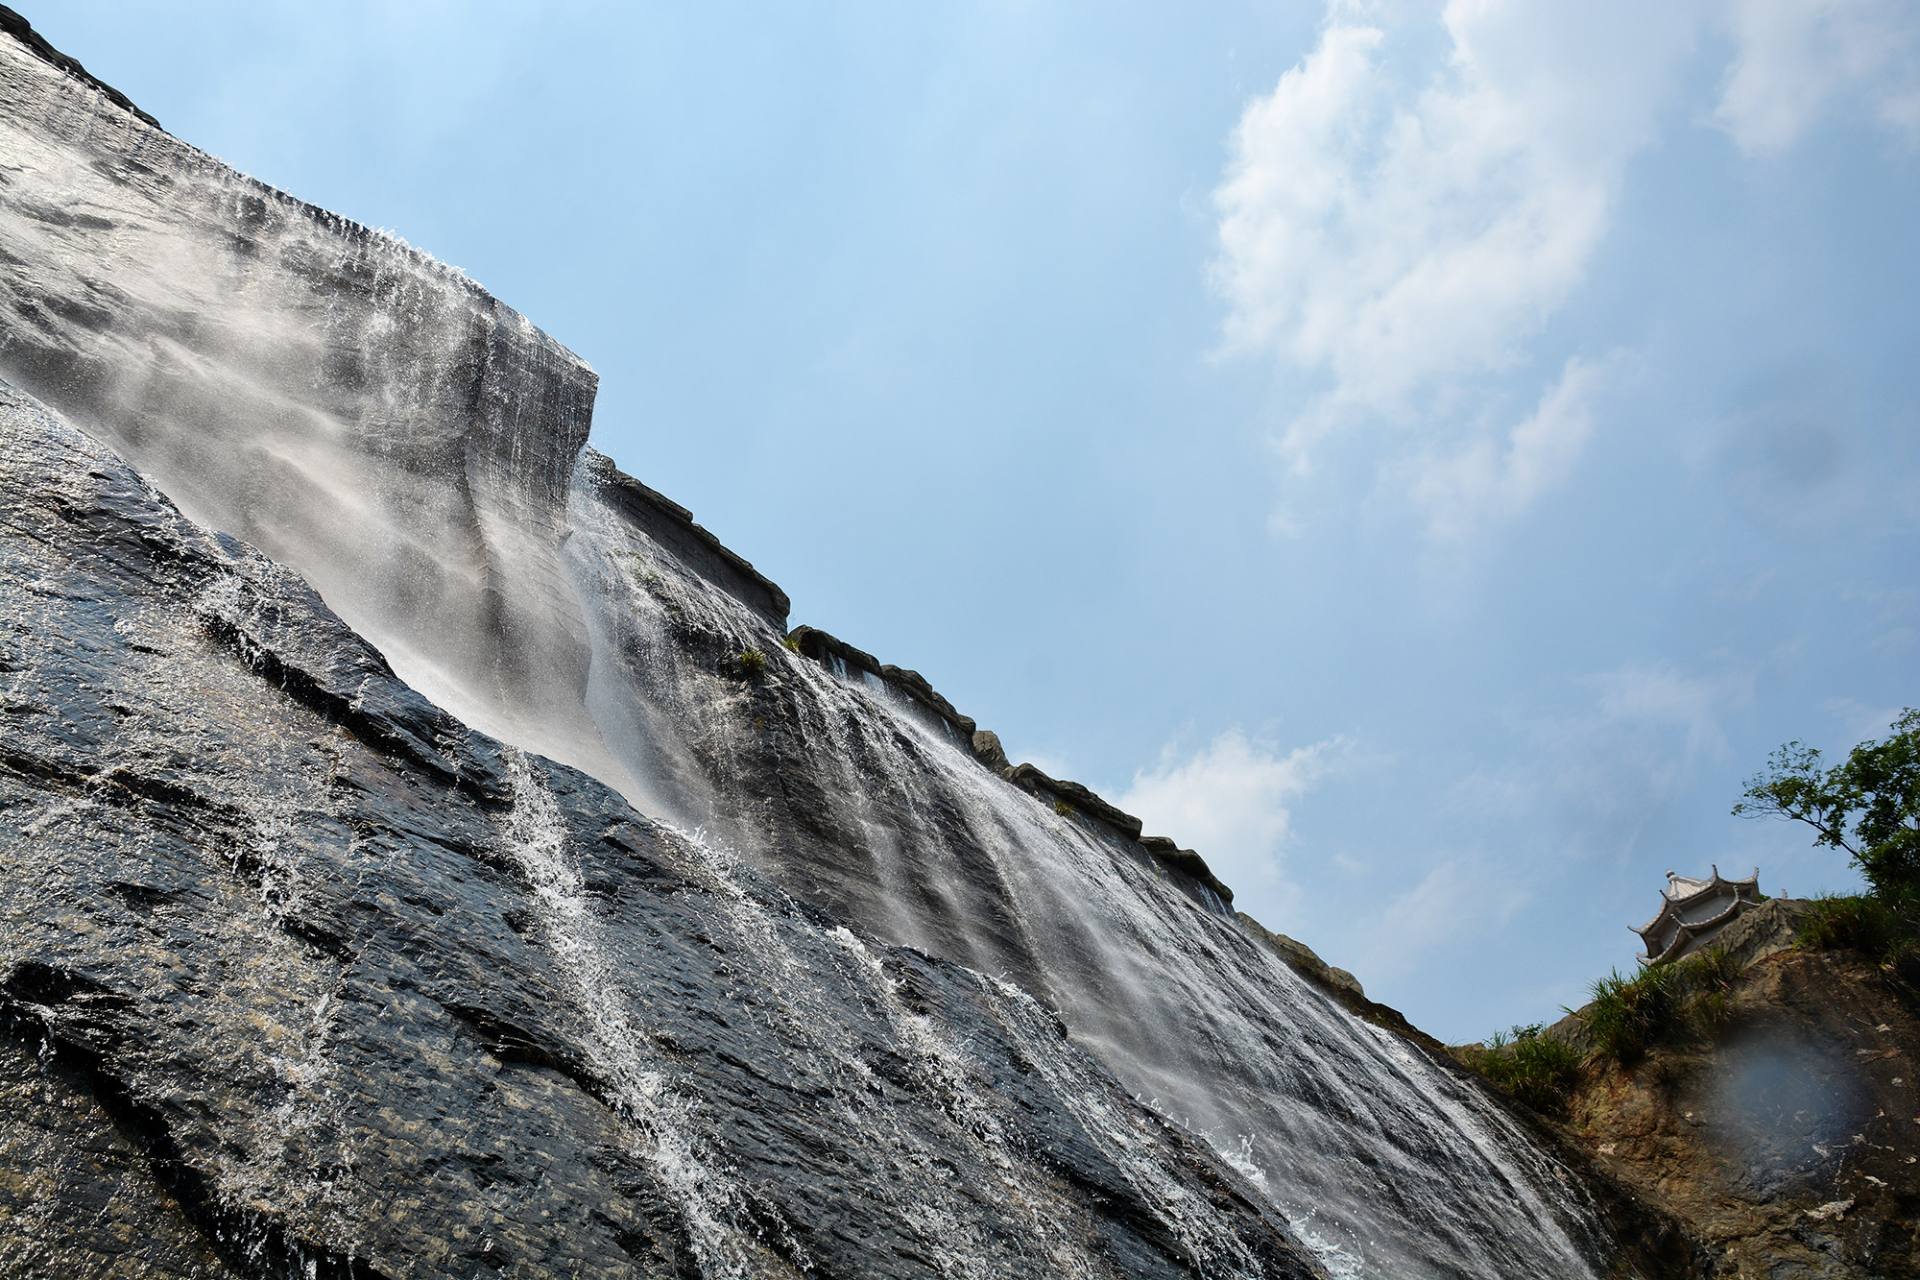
(805,1001)
(1386,1162)
(616,1048)
(417,451)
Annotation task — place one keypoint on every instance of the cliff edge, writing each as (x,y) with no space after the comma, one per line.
(772,962)
(1771,1107)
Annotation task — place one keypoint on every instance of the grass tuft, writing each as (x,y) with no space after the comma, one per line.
(1629,1015)
(1535,1069)
(1866,923)
(751,663)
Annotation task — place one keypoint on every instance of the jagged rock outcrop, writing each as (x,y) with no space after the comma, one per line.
(1785,1135)
(16,26)
(1307,961)
(764,970)
(296,971)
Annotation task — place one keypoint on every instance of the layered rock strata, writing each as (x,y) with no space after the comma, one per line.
(414,452)
(300,974)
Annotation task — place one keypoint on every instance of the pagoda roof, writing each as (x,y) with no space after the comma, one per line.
(1681,891)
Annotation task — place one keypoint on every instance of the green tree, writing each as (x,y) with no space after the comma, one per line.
(1868,805)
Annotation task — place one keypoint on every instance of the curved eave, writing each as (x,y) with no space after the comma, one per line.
(1717,883)
(1686,933)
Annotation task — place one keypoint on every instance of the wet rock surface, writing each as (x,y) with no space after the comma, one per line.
(356,409)
(414,451)
(13,24)
(296,971)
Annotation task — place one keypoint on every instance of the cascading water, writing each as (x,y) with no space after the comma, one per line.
(708,1202)
(417,451)
(381,997)
(806,1001)
(1387,1164)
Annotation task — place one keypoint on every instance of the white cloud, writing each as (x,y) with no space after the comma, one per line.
(1394,231)
(1428,917)
(1664,698)
(1489,480)
(1796,59)
(1230,801)
(1413,202)
(1591,780)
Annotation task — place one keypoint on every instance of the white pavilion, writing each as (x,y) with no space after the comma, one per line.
(1692,911)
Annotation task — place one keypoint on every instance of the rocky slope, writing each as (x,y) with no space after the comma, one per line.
(1787,1136)
(304,968)
(299,972)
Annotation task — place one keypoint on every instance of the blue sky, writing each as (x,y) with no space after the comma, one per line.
(1422,458)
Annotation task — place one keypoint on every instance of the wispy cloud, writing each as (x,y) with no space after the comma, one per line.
(1232,799)
(1408,209)
(1592,777)
(1858,722)
(1490,479)
(1665,698)
(1426,917)
(1797,60)
(1395,228)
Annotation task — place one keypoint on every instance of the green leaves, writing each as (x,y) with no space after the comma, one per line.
(1882,781)
(1528,1064)
(1628,1016)
(1868,805)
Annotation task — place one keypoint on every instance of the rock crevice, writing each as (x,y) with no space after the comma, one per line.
(493,1060)
(693,976)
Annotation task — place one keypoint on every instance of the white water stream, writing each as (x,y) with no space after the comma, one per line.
(414,449)
(1387,1164)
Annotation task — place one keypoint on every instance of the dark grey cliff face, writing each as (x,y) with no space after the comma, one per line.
(415,451)
(338,398)
(301,976)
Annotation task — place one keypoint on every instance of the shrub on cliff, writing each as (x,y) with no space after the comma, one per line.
(1869,807)
(1528,1065)
(1862,922)
(1628,1016)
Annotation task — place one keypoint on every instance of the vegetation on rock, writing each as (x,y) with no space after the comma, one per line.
(1862,922)
(1869,807)
(1760,1089)
(1528,1065)
(1628,1015)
